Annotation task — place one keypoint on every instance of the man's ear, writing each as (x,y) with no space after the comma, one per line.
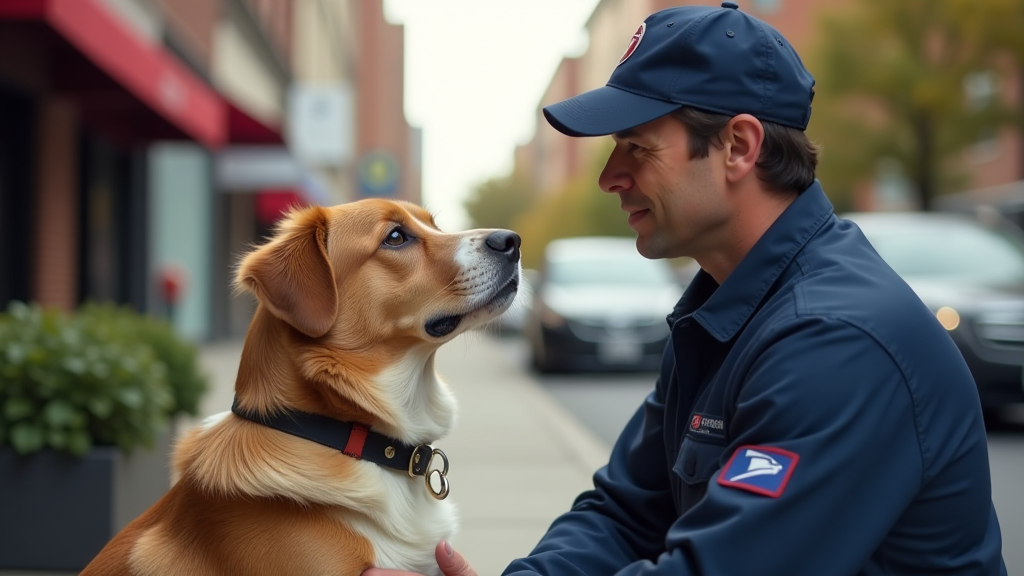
(742,138)
(292,276)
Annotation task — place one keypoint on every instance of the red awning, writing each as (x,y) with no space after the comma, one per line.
(243,128)
(158,96)
(271,204)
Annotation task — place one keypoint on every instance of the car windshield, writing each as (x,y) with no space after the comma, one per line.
(958,252)
(637,271)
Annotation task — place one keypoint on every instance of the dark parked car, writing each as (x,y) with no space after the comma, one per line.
(511,322)
(599,306)
(970,272)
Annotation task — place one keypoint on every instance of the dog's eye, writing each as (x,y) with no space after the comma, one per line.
(396,238)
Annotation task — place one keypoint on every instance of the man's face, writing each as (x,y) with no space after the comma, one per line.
(674,203)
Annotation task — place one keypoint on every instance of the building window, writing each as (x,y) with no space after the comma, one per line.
(767,6)
(980,89)
(980,92)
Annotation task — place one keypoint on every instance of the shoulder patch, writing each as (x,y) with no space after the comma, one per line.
(759,469)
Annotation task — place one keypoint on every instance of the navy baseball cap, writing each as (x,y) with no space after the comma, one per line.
(718,60)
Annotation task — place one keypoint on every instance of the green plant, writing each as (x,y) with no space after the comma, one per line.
(69,382)
(181,357)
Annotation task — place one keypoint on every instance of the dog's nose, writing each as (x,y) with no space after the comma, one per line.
(505,242)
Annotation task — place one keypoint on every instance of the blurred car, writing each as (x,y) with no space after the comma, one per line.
(970,272)
(599,306)
(512,321)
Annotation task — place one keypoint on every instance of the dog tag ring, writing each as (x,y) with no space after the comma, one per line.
(442,476)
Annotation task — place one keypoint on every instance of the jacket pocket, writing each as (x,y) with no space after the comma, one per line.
(697,461)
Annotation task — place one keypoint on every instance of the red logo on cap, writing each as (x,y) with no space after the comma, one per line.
(634,42)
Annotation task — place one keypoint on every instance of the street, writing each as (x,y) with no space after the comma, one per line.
(605,402)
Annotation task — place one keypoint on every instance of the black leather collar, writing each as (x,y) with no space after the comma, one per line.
(350,438)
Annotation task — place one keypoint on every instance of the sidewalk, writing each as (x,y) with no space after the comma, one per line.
(518,459)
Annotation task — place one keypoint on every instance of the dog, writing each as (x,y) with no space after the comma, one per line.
(325,463)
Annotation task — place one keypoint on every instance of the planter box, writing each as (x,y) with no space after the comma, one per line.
(57,511)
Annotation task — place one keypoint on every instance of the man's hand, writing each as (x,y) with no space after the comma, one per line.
(449,561)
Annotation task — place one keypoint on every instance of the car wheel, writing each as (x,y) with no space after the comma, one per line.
(539,359)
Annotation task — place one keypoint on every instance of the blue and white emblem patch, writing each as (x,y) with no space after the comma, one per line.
(759,469)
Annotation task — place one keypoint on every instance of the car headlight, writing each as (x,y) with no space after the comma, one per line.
(948,317)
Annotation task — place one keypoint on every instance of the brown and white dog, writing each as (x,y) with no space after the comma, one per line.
(353,302)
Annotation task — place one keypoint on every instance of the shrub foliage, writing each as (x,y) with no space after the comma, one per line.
(103,376)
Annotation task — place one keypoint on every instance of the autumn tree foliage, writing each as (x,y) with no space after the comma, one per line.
(915,82)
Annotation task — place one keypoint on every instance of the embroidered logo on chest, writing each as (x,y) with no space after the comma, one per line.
(710,426)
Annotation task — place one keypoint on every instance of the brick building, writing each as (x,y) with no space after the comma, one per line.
(147,142)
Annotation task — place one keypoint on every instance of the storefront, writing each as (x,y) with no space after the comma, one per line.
(16,143)
(83,97)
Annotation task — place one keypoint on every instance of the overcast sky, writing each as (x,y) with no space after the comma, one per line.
(475,71)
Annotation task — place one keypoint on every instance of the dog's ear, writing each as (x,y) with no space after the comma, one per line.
(292,275)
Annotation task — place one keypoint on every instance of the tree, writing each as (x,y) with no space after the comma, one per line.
(579,208)
(497,202)
(1006,39)
(891,77)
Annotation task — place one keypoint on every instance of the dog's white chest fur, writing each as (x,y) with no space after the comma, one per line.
(411,524)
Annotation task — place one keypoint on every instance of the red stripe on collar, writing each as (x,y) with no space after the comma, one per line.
(356,440)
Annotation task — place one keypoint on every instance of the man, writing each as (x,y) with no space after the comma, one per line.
(811,416)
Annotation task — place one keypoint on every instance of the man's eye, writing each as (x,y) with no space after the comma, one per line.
(396,238)
(633,147)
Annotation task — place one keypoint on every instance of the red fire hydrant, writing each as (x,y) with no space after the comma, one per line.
(172,280)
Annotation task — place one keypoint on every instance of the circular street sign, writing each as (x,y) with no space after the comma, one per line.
(378,173)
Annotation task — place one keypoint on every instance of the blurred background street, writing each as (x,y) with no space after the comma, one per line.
(146,144)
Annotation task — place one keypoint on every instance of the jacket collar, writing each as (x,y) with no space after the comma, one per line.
(723,310)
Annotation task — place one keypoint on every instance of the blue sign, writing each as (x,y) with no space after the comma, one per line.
(378,173)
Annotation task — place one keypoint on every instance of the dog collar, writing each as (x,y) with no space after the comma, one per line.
(357,441)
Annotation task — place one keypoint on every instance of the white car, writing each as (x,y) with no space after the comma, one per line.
(599,305)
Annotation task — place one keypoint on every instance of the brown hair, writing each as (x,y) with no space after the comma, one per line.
(788,158)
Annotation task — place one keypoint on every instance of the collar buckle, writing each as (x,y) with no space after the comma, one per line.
(419,465)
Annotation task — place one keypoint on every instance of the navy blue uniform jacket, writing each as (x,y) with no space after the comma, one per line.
(811,418)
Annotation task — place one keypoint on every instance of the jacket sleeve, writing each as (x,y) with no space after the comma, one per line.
(625,517)
(830,395)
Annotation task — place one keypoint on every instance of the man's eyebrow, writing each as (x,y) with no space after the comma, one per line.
(624,134)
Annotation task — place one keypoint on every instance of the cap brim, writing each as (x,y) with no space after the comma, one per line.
(603,111)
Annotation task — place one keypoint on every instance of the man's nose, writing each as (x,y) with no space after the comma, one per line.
(615,177)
